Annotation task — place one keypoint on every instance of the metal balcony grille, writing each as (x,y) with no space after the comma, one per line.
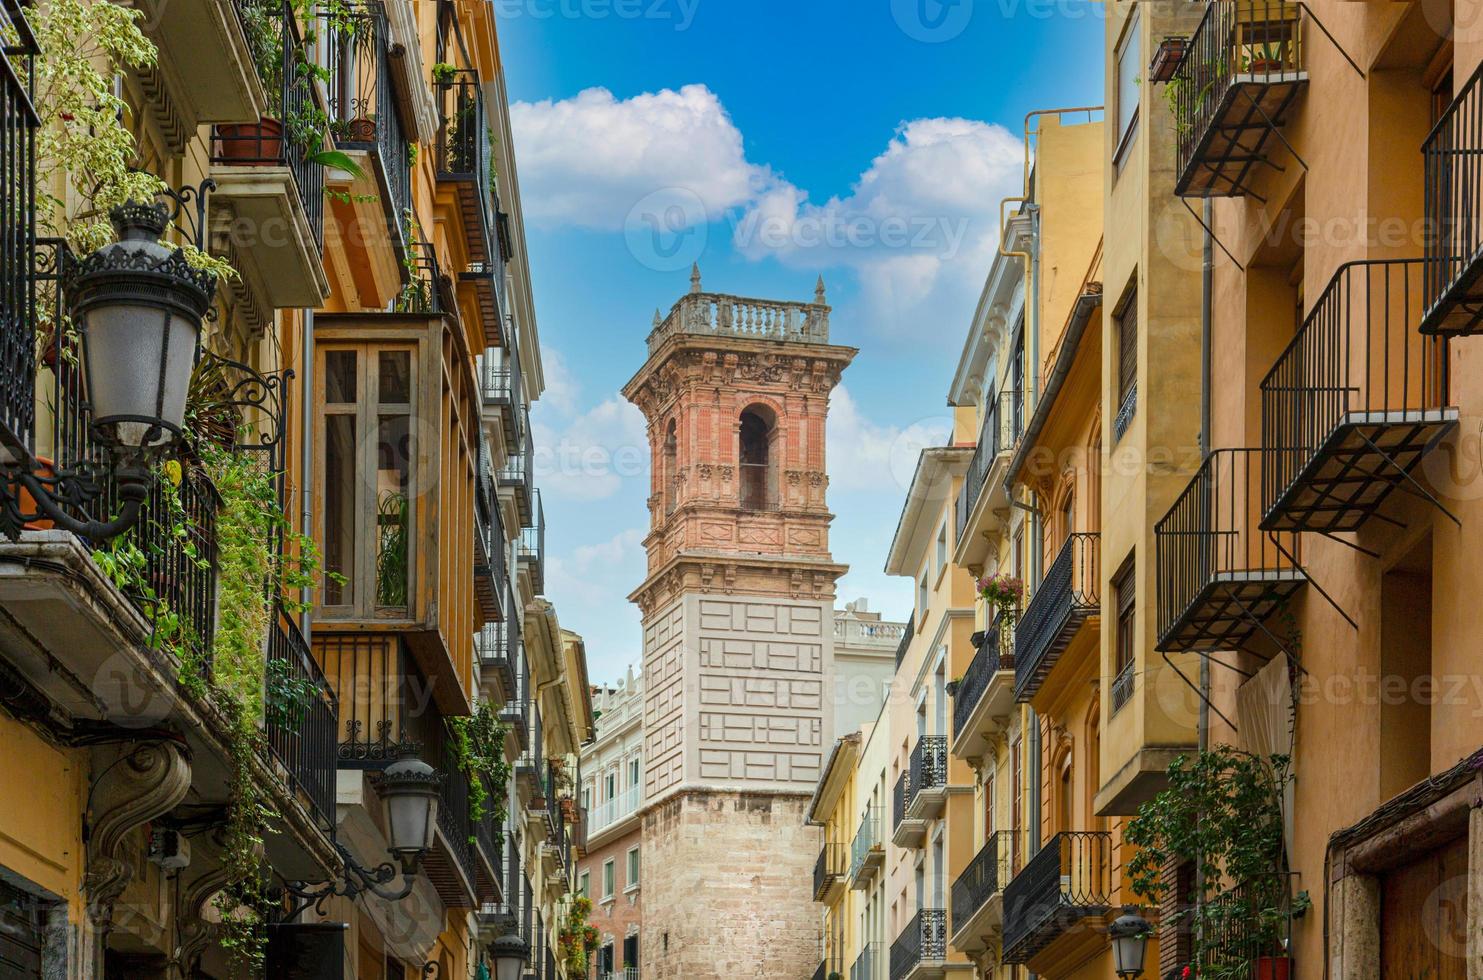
(1242,70)
(294,95)
(900,797)
(1067,597)
(17,228)
(1219,574)
(1453,155)
(1069,880)
(518,473)
(1353,404)
(923,940)
(988,661)
(1003,421)
(302,735)
(985,876)
(867,840)
(354,38)
(829,867)
(463,155)
(928,765)
(906,638)
(532,547)
(867,965)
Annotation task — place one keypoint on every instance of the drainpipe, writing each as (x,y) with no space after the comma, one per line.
(1207,293)
(306,459)
(1032,833)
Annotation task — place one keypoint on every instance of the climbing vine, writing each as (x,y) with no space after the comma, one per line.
(479,747)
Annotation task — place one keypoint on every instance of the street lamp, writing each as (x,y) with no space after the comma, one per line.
(138,306)
(409,797)
(1129,934)
(510,955)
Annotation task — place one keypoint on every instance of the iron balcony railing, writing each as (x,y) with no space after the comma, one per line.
(489,834)
(422,293)
(867,965)
(1235,935)
(1069,879)
(281,138)
(1067,596)
(993,656)
(924,940)
(498,645)
(532,547)
(867,839)
(822,971)
(518,473)
(900,799)
(355,40)
(1123,685)
(1219,574)
(609,812)
(1453,155)
(985,877)
(301,717)
(1353,402)
(1249,44)
(18,225)
(906,638)
(530,767)
(1003,424)
(928,765)
(515,712)
(463,154)
(829,867)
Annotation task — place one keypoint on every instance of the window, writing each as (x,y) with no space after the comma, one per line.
(586,797)
(757,432)
(1129,78)
(584,885)
(633,773)
(366,479)
(1126,320)
(671,472)
(633,867)
(610,785)
(990,821)
(1125,592)
(942,548)
(922,594)
(1016,775)
(607,878)
(1064,792)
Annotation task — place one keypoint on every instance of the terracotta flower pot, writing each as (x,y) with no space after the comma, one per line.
(44,468)
(1274,968)
(361,130)
(246,143)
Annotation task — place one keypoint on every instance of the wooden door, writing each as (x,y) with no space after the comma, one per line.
(1423,917)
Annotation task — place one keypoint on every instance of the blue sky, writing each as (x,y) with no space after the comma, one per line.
(868,141)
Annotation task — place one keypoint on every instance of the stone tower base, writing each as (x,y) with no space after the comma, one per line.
(728,883)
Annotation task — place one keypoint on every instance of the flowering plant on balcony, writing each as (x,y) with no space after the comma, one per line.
(1004,593)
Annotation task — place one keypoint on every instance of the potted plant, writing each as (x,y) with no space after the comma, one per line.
(568,808)
(443,73)
(1167,59)
(1222,814)
(1003,592)
(241,143)
(1266,58)
(953,685)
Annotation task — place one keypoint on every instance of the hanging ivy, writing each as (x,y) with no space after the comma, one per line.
(479,748)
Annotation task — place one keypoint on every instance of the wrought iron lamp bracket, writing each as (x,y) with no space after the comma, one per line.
(354,882)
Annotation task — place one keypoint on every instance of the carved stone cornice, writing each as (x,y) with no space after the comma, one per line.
(145,784)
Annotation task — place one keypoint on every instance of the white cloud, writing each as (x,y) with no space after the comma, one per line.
(592,583)
(918,227)
(865,456)
(588,160)
(589,456)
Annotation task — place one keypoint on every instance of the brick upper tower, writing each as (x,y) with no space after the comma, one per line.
(738,631)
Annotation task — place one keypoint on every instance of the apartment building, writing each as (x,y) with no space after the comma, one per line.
(183,689)
(864,662)
(613,796)
(1313,570)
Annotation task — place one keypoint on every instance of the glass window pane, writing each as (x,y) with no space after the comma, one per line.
(339,509)
(395,385)
(339,377)
(1128,66)
(393,509)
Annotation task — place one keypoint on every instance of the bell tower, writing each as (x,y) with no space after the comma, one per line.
(738,631)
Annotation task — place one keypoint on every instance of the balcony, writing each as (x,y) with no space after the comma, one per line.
(1453,155)
(502,388)
(18,265)
(516,710)
(928,786)
(1058,902)
(869,965)
(269,183)
(205,63)
(983,503)
(491,573)
(1219,575)
(612,813)
(977,896)
(829,873)
(906,638)
(1241,73)
(1354,403)
(354,38)
(518,473)
(463,158)
(531,550)
(530,767)
(867,853)
(498,647)
(300,732)
(985,694)
(921,949)
(1065,600)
